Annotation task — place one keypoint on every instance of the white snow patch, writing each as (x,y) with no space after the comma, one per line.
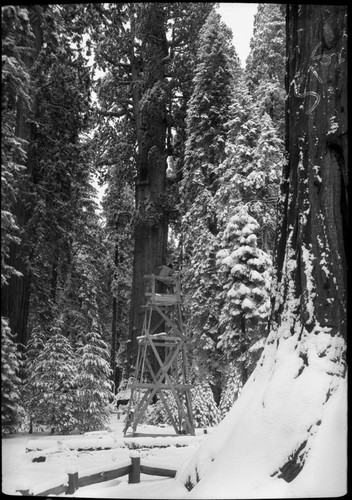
(282,406)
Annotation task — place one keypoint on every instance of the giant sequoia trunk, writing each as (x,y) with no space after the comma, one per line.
(150,98)
(15,296)
(314,226)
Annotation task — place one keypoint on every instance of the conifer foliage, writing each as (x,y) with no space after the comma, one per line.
(205,411)
(231,388)
(265,66)
(246,270)
(248,195)
(208,112)
(15,88)
(52,382)
(11,410)
(94,387)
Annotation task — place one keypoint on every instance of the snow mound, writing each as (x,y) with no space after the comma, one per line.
(286,434)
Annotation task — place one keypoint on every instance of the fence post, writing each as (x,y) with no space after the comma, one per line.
(135,471)
(72,483)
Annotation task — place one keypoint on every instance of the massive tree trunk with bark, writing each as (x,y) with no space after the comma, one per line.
(310,301)
(150,98)
(15,296)
(314,225)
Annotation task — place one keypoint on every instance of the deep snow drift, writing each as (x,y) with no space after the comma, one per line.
(292,404)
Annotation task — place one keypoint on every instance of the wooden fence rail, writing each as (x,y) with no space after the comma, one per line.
(74,482)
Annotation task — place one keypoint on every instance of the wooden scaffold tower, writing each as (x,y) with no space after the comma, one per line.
(161,367)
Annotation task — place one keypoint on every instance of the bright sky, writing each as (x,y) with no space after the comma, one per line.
(239,17)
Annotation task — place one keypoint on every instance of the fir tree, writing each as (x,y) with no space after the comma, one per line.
(251,172)
(118,209)
(246,305)
(11,410)
(94,386)
(238,149)
(86,293)
(204,409)
(265,66)
(232,386)
(158,414)
(33,349)
(51,385)
(208,112)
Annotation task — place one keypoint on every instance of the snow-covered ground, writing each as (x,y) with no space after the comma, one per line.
(19,472)
(239,458)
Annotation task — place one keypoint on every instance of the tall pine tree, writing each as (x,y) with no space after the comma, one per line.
(208,111)
(94,387)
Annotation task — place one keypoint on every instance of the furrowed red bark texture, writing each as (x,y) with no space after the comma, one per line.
(314,191)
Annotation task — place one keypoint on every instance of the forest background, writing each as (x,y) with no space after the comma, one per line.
(191,147)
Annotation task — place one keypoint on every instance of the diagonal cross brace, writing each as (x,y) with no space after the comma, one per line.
(161,374)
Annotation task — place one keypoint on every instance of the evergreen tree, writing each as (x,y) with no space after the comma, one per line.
(265,66)
(85,294)
(269,161)
(29,393)
(46,191)
(204,409)
(11,410)
(94,388)
(141,86)
(60,197)
(232,386)
(241,135)
(250,175)
(158,414)
(116,166)
(246,305)
(256,162)
(251,170)
(208,112)
(51,385)
(21,37)
(15,87)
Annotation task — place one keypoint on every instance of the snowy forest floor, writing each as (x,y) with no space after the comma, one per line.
(19,472)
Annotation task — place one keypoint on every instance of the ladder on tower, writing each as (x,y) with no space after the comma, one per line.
(161,368)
